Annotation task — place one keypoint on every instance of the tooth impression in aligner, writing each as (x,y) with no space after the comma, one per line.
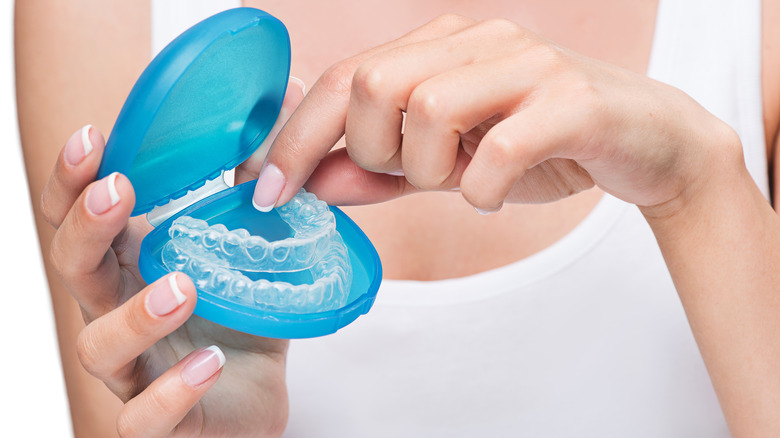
(311,220)
(219,260)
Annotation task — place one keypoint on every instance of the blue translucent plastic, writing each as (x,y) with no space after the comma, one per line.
(234,206)
(203,105)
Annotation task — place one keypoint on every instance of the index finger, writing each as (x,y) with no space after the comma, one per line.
(319,122)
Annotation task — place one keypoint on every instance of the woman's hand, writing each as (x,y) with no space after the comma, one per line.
(142,340)
(498,112)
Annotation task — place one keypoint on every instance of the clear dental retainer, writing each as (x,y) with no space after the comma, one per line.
(201,107)
(223,262)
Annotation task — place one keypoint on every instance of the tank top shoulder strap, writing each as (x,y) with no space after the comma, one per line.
(711,49)
(172,17)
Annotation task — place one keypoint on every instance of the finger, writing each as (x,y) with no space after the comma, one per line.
(80,249)
(108,346)
(381,88)
(319,121)
(76,167)
(450,105)
(250,169)
(157,410)
(512,147)
(339,181)
(383,84)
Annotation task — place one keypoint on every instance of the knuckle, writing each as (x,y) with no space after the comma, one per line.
(547,54)
(502,148)
(156,401)
(502,26)
(289,146)
(337,79)
(47,210)
(428,105)
(86,351)
(61,257)
(451,21)
(57,257)
(134,319)
(369,81)
(587,98)
(374,159)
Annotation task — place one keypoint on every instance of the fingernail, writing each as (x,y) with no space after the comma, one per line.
(201,367)
(75,153)
(269,187)
(487,212)
(299,83)
(396,173)
(103,195)
(165,297)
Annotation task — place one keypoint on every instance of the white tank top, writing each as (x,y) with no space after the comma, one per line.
(586,338)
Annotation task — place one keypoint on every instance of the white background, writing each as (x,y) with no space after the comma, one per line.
(32,393)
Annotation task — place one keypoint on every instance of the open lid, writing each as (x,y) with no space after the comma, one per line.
(203,105)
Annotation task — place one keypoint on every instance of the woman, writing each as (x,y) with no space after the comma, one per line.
(547,320)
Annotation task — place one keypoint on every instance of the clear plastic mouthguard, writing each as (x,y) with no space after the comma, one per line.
(308,272)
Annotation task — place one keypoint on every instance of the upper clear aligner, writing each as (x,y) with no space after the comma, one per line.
(215,256)
(311,220)
(332,277)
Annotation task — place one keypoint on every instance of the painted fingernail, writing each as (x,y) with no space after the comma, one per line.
(299,83)
(74,152)
(201,367)
(165,297)
(103,195)
(269,187)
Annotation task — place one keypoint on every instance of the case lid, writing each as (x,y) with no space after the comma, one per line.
(203,105)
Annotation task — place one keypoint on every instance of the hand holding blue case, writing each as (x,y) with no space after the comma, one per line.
(202,106)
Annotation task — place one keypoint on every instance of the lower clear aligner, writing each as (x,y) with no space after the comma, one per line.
(214,257)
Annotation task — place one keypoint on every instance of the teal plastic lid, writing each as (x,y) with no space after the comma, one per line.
(203,105)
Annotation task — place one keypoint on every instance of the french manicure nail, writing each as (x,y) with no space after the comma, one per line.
(487,212)
(201,367)
(299,82)
(269,187)
(165,297)
(85,141)
(103,195)
(75,153)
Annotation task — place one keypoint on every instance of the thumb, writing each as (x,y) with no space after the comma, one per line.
(337,180)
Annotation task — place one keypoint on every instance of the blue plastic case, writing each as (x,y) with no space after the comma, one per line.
(202,106)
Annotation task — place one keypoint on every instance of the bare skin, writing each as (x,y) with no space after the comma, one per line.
(525,229)
(531,226)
